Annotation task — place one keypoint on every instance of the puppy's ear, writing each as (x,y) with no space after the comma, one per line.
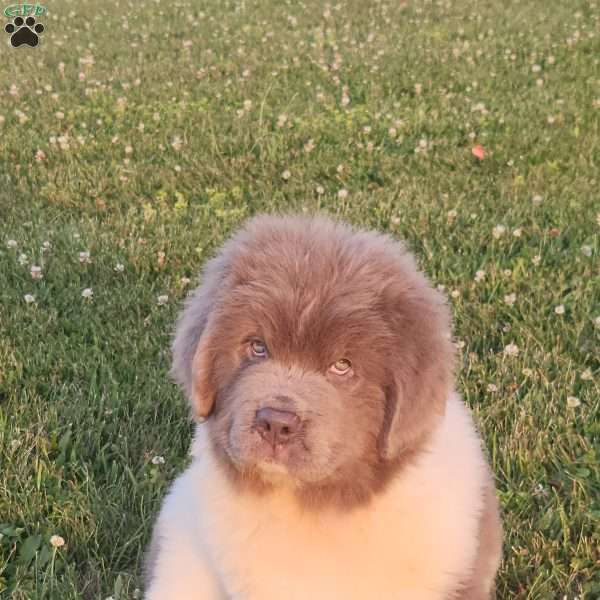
(193,357)
(421,365)
(204,389)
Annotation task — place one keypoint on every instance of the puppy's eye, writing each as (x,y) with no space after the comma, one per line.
(258,348)
(341,367)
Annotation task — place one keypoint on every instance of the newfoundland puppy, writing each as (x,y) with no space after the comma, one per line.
(333,459)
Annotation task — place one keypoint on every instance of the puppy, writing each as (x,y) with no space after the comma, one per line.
(333,458)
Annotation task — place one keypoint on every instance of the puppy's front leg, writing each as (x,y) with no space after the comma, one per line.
(177,566)
(176,571)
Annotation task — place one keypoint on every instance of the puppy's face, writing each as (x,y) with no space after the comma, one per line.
(318,355)
(301,380)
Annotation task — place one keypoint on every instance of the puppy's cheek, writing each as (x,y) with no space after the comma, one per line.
(242,440)
(318,458)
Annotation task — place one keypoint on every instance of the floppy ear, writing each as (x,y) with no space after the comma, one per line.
(193,357)
(421,372)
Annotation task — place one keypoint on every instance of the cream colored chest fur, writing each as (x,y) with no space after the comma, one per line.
(414,542)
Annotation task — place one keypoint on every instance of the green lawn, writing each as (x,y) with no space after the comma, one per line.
(144,133)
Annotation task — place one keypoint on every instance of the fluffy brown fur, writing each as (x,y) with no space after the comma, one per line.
(315,291)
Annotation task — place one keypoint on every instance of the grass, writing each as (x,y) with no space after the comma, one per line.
(145,133)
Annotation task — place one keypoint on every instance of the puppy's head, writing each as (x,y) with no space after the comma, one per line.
(318,355)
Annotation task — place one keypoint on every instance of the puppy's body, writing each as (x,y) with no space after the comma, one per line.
(380,489)
(417,541)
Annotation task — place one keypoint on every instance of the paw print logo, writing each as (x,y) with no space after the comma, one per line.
(24,31)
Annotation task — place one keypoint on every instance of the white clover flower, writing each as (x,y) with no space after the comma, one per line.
(29,298)
(518,232)
(87,293)
(498,231)
(492,387)
(84,257)
(510,299)
(56,541)
(455,293)
(479,276)
(573,402)
(536,260)
(158,460)
(286,175)
(162,300)
(36,272)
(11,244)
(176,143)
(586,250)
(459,344)
(320,190)
(23,259)
(560,309)
(452,214)
(342,194)
(119,267)
(536,199)
(511,350)
(587,375)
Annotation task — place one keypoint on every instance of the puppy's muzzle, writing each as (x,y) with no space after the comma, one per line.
(276,426)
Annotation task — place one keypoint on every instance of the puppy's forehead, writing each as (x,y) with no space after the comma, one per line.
(308,292)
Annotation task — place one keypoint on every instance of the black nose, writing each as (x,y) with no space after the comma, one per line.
(277,426)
